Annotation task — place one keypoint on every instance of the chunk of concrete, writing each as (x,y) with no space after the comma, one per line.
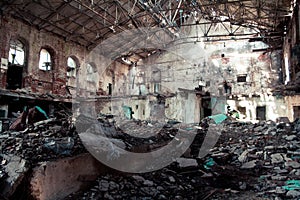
(249,165)
(15,170)
(185,162)
(276,158)
(57,179)
(243,157)
(293,193)
(293,164)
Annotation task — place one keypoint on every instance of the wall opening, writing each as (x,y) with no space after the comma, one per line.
(45,62)
(14,78)
(296,110)
(242,110)
(91,72)
(261,113)
(241,78)
(109,89)
(72,66)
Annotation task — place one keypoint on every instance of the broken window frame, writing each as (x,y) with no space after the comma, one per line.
(17,52)
(45,60)
(72,66)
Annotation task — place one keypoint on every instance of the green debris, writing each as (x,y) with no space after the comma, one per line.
(209,163)
(219,118)
(292,185)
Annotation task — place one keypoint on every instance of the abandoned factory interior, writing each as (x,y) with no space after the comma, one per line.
(149,99)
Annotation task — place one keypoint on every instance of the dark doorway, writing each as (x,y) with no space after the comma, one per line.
(14,77)
(110,89)
(206,106)
(261,113)
(296,110)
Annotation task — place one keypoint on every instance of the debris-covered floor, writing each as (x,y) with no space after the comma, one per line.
(250,161)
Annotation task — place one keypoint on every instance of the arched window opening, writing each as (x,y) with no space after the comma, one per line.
(91,72)
(72,66)
(45,60)
(16,53)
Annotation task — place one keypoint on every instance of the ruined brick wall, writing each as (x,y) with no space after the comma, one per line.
(53,81)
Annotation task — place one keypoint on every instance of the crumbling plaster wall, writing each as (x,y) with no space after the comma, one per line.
(180,68)
(36,79)
(275,107)
(184,107)
(184,66)
(56,180)
(291,101)
(235,58)
(55,80)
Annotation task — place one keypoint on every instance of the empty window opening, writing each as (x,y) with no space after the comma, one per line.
(157,87)
(16,53)
(91,72)
(207,83)
(241,78)
(110,89)
(45,60)
(16,65)
(72,66)
(242,110)
(136,107)
(261,113)
(296,110)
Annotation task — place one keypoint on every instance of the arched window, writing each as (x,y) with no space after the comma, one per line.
(16,52)
(72,66)
(45,60)
(91,72)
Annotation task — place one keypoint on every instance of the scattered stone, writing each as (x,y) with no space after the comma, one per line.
(276,158)
(293,194)
(293,164)
(279,178)
(148,183)
(243,157)
(249,165)
(172,179)
(280,190)
(291,137)
(15,170)
(103,185)
(185,162)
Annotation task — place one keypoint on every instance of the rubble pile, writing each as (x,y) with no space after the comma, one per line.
(268,151)
(132,135)
(256,161)
(163,184)
(46,140)
(261,160)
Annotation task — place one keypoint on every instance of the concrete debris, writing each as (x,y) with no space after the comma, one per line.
(293,164)
(41,141)
(293,194)
(249,165)
(184,162)
(252,159)
(45,140)
(276,158)
(13,169)
(248,158)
